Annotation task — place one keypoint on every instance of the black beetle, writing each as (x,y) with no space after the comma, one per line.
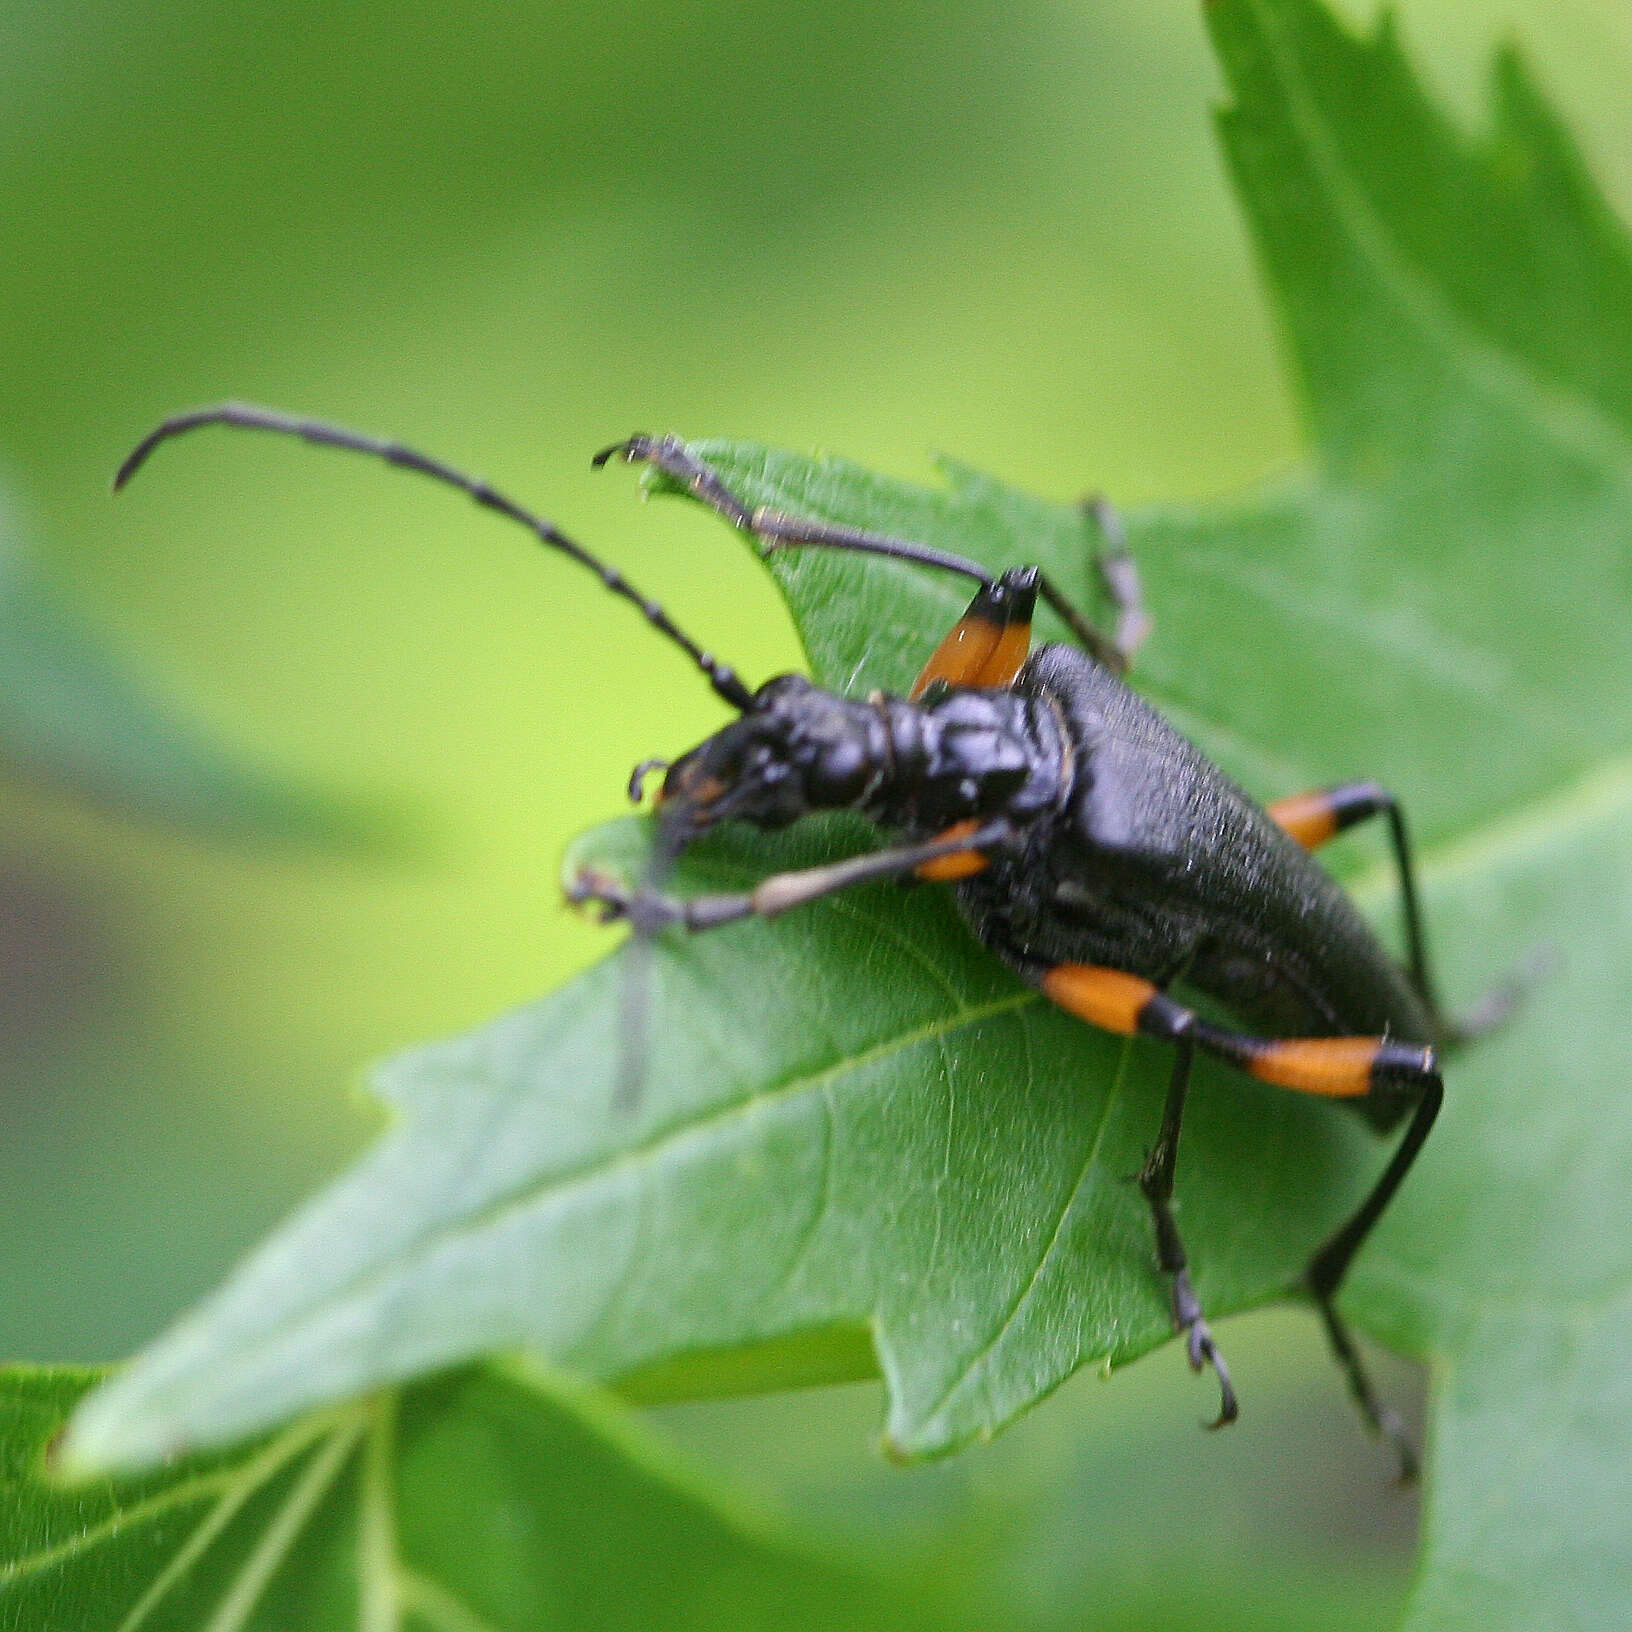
(1091,846)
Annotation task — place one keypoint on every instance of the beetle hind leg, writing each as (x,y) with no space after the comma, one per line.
(1156,1182)
(1335,1067)
(1381,1418)
(1328,1267)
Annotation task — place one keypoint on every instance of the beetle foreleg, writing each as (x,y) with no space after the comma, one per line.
(1119,573)
(649,912)
(774,527)
(777,528)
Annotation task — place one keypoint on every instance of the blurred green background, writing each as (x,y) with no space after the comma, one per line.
(511,234)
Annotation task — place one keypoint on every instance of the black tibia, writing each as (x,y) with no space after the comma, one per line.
(247,416)
(1119,573)
(648,912)
(1335,810)
(776,527)
(1355,802)
(1163,1018)
(1328,1267)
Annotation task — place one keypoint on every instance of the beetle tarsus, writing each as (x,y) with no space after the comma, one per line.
(610,897)
(1155,1179)
(1380,1418)
(1496,1007)
(637,777)
(1200,1349)
(628,450)
(648,912)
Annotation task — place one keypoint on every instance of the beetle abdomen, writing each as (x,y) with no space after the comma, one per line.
(1161,865)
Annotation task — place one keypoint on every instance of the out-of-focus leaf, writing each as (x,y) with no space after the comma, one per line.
(489,1499)
(855,1121)
(72,717)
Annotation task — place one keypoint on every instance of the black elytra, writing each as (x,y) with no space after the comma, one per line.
(1090,845)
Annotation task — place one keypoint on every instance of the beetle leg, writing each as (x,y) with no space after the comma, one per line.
(1119,574)
(1156,1181)
(1119,1002)
(1320,814)
(988,644)
(1339,1067)
(1328,1267)
(1104,650)
(774,527)
(777,528)
(1314,817)
(1347,1066)
(953,854)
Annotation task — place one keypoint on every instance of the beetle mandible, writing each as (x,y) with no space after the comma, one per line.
(1091,846)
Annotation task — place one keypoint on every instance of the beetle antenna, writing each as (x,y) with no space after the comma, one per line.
(721,676)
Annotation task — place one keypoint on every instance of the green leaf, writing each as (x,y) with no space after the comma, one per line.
(857,1123)
(71,717)
(1461,317)
(489,1500)
(912,1144)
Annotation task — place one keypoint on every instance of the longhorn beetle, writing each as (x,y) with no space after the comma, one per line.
(1093,848)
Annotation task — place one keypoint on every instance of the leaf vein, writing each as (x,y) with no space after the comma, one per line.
(507,1207)
(228,1481)
(1023,1296)
(244,1592)
(433,1603)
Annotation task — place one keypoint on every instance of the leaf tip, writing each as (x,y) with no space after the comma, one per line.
(104,1436)
(65,1461)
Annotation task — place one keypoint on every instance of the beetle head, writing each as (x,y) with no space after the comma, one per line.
(795,749)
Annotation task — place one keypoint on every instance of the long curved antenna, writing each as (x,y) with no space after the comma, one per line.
(721,676)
